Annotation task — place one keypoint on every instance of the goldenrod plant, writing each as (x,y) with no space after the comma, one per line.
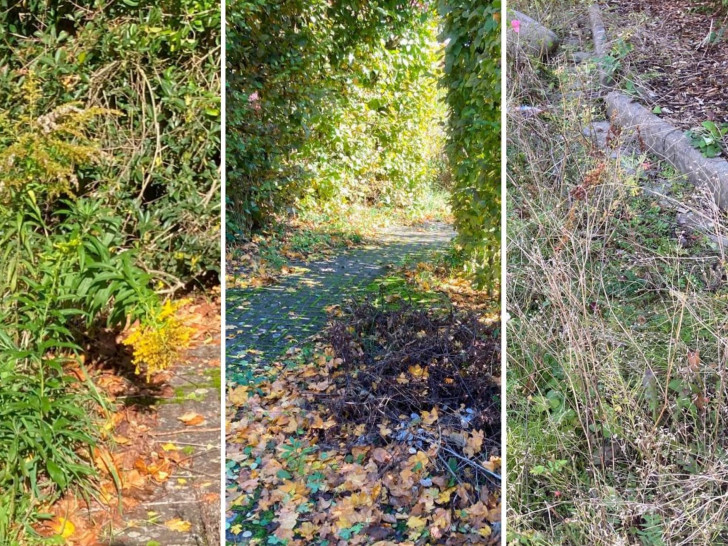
(44,150)
(160,341)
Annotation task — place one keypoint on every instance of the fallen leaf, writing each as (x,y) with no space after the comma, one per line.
(192,419)
(381,455)
(429,417)
(179,525)
(694,360)
(474,443)
(414,522)
(238,396)
(63,528)
(493,464)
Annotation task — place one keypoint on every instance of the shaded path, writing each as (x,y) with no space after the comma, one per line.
(263,323)
(191,492)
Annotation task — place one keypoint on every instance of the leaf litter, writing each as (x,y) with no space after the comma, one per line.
(388,434)
(130,461)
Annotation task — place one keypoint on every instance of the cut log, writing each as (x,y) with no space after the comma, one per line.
(599,35)
(669,143)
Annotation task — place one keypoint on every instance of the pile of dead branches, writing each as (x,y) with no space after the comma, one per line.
(401,364)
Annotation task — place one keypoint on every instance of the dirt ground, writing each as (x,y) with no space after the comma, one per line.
(680,56)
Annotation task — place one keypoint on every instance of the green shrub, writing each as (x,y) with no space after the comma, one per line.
(156,64)
(109,154)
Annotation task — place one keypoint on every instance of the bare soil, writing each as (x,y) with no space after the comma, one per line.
(685,72)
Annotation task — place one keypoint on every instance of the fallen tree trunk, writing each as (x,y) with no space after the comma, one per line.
(670,144)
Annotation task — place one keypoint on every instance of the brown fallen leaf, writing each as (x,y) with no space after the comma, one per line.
(474,443)
(381,455)
(211,498)
(191,419)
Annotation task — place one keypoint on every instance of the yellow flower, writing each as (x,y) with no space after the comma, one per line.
(158,343)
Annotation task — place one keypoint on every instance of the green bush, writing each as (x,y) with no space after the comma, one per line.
(156,64)
(109,160)
(329,103)
(472,80)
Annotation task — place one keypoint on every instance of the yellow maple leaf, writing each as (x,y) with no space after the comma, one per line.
(429,417)
(444,496)
(415,522)
(419,461)
(307,530)
(179,525)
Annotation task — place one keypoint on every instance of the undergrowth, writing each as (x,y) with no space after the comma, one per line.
(617,341)
(87,230)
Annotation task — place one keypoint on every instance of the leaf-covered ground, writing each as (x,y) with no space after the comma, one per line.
(675,56)
(385,431)
(157,467)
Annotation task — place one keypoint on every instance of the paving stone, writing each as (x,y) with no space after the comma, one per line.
(183,495)
(268,321)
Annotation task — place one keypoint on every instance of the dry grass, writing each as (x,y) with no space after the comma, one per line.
(618,338)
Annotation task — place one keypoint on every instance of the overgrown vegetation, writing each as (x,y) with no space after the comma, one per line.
(108,168)
(334,106)
(329,103)
(617,342)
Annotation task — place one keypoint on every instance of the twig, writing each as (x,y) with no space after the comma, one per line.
(191,429)
(455,454)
